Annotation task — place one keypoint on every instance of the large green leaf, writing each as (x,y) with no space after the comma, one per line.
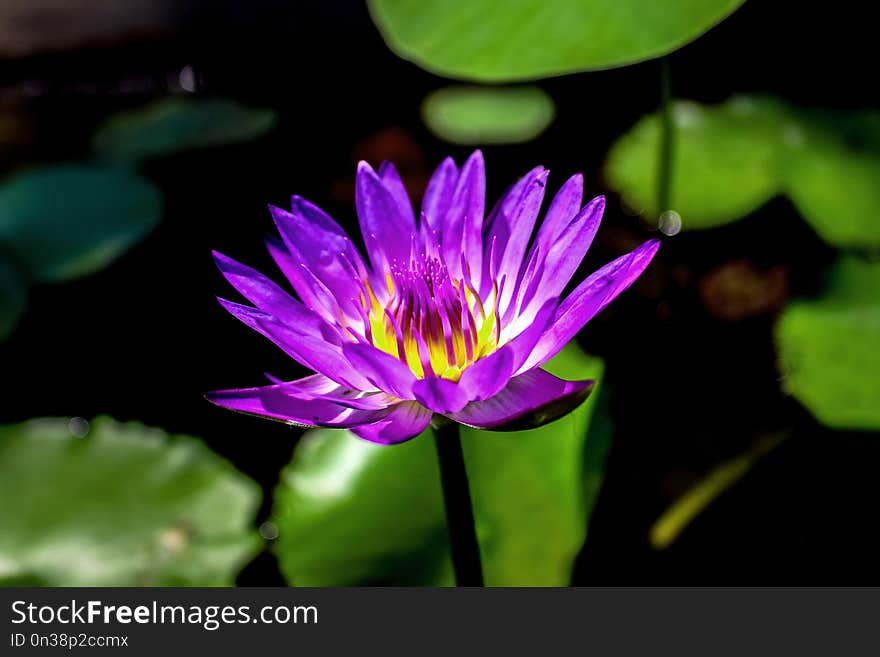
(125,505)
(529,39)
(351,512)
(177,124)
(13,295)
(732,158)
(488,115)
(828,348)
(67,221)
(726,161)
(833,176)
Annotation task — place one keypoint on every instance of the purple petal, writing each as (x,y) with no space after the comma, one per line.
(267,296)
(528,330)
(386,231)
(486,377)
(440,395)
(564,206)
(317,299)
(381,369)
(438,195)
(287,403)
(590,298)
(406,420)
(563,253)
(318,353)
(529,400)
(463,223)
(318,386)
(394,184)
(314,240)
(512,232)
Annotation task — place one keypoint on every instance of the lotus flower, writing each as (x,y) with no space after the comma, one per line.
(451,314)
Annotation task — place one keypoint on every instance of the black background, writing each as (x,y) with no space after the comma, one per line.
(145,339)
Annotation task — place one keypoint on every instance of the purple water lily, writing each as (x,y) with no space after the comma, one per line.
(452,314)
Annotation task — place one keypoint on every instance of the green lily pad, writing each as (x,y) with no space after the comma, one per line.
(13,296)
(351,512)
(532,39)
(727,161)
(833,176)
(828,348)
(488,115)
(178,124)
(63,222)
(732,158)
(125,505)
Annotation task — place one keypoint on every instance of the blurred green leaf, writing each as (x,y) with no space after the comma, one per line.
(352,512)
(13,296)
(124,506)
(726,161)
(488,115)
(178,124)
(67,221)
(532,39)
(732,158)
(828,348)
(833,176)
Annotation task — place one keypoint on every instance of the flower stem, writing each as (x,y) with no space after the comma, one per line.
(459,513)
(667,140)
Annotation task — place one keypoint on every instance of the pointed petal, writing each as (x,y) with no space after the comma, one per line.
(315,352)
(318,243)
(486,377)
(462,225)
(438,195)
(528,401)
(386,232)
(564,206)
(528,330)
(406,420)
(382,370)
(284,402)
(266,295)
(590,298)
(440,395)
(394,184)
(517,226)
(563,253)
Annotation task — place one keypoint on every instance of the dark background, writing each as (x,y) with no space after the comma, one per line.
(692,382)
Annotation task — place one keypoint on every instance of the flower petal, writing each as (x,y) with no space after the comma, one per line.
(589,298)
(562,253)
(511,231)
(440,395)
(288,403)
(438,196)
(462,226)
(317,242)
(394,184)
(406,420)
(266,295)
(528,330)
(316,352)
(381,369)
(528,401)
(386,231)
(563,208)
(486,377)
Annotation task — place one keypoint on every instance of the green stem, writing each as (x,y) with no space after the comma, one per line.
(667,140)
(459,512)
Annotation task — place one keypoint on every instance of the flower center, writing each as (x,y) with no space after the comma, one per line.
(434,323)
